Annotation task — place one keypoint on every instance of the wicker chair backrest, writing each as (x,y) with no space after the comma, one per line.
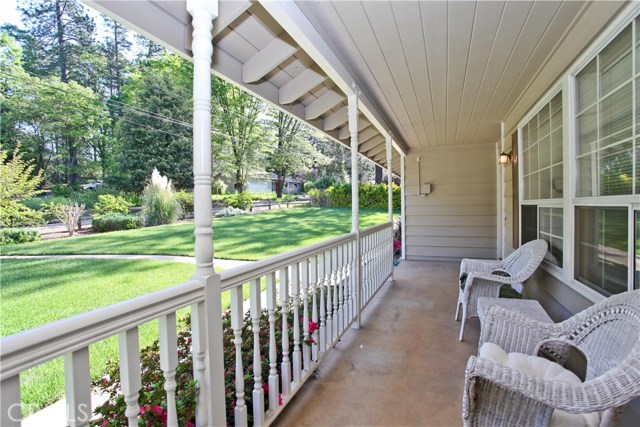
(608,333)
(527,258)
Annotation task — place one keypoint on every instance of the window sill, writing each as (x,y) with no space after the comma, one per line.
(575,285)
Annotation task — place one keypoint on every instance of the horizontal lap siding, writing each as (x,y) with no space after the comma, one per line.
(458,219)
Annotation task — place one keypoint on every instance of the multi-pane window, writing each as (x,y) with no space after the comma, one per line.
(608,162)
(601,259)
(542,178)
(542,153)
(608,151)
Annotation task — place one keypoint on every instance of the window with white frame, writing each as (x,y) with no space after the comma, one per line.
(542,178)
(608,165)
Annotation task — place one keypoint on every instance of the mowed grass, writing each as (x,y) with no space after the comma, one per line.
(34,292)
(245,237)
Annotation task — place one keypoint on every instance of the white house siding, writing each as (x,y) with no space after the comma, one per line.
(458,219)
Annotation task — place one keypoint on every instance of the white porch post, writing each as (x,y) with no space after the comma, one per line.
(390,194)
(203,13)
(355,201)
(403,216)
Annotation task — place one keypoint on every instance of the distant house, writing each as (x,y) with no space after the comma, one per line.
(269,182)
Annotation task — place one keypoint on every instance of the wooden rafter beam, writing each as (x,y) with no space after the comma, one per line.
(272,55)
(301,84)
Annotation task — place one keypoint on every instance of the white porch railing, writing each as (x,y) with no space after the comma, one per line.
(317,283)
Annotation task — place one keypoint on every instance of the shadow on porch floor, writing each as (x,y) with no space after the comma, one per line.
(404,367)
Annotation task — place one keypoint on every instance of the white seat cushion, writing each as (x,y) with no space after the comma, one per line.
(547,370)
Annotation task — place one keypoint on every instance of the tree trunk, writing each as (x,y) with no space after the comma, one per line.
(378,177)
(62,61)
(280,185)
(73,165)
(238,184)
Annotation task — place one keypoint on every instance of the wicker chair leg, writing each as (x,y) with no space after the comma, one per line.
(458,310)
(463,321)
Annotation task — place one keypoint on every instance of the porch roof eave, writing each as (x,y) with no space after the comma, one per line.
(272,51)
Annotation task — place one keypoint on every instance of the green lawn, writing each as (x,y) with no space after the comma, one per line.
(246,237)
(35,292)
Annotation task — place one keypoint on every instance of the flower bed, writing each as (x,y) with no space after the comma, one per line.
(153,412)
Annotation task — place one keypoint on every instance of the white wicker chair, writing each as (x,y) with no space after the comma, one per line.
(485,277)
(607,334)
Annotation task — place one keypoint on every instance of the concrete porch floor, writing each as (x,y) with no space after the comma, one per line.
(404,367)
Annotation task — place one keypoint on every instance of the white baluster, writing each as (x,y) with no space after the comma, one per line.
(304,279)
(258,392)
(199,353)
(274,389)
(77,384)
(344,293)
(169,363)
(129,353)
(323,307)
(240,411)
(285,366)
(10,404)
(313,279)
(335,276)
(328,280)
(349,284)
(341,290)
(295,294)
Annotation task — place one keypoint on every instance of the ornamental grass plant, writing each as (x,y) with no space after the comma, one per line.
(160,203)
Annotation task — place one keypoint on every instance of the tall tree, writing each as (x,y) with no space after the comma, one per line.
(237,116)
(147,49)
(63,36)
(114,47)
(155,131)
(291,152)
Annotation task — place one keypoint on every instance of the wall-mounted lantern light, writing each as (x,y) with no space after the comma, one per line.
(504,159)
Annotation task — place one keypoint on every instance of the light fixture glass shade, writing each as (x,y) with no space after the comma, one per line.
(504,159)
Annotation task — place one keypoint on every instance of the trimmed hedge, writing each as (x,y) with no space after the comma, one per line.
(371,196)
(18,235)
(115,222)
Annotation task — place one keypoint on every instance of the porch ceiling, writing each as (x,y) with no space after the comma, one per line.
(431,73)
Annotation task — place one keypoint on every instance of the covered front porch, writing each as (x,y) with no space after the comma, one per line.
(405,366)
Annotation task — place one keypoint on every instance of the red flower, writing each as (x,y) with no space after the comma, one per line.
(312,327)
(280,399)
(265,387)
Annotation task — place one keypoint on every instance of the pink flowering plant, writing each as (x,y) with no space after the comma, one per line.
(152,395)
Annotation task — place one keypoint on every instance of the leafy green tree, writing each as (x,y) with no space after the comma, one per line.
(18,182)
(156,130)
(237,116)
(291,152)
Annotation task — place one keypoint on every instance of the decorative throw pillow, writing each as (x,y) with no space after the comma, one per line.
(544,369)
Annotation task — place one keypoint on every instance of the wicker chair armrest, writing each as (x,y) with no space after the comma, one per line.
(607,391)
(514,331)
(488,276)
(468,265)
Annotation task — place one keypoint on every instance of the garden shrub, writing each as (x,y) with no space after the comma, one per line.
(109,204)
(160,204)
(18,235)
(115,222)
(218,186)
(308,186)
(186,201)
(241,201)
(229,211)
(370,196)
(19,181)
(152,397)
(317,198)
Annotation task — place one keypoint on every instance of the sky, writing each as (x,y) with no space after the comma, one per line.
(9,12)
